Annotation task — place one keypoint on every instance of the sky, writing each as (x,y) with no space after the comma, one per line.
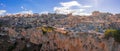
(77,7)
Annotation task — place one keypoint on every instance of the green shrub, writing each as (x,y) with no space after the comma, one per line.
(113,33)
(47,29)
(11,48)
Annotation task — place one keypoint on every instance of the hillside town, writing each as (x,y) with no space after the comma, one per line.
(58,32)
(97,22)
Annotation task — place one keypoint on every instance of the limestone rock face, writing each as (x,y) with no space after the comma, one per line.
(83,42)
(12,32)
(56,41)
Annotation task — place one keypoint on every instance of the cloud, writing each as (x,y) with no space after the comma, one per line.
(3,5)
(44,12)
(72,7)
(70,4)
(2,12)
(87,6)
(23,8)
(25,12)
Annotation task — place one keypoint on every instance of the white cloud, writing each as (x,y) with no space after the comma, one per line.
(25,12)
(2,12)
(23,8)
(3,5)
(70,4)
(72,7)
(87,6)
(44,12)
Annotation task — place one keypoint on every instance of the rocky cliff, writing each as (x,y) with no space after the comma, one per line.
(35,40)
(55,32)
